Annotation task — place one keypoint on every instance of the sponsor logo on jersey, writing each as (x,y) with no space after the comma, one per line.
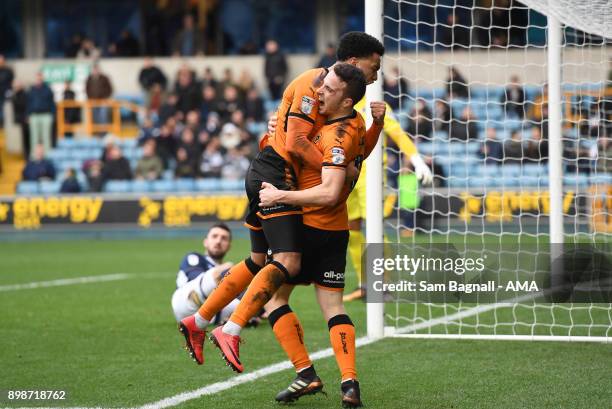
(307,105)
(193,260)
(337,156)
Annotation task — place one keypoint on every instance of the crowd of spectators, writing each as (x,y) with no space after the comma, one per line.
(206,126)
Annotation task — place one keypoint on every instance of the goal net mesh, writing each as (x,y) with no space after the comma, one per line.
(468,82)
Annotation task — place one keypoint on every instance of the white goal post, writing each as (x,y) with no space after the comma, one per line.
(564,72)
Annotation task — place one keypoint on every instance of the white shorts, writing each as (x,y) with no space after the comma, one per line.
(187,299)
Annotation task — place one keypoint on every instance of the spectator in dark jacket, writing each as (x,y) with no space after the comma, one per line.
(420,123)
(328,58)
(116,167)
(513,149)
(98,86)
(40,109)
(166,145)
(396,89)
(254,106)
(492,150)
(210,102)
(442,116)
(6,82)
(150,75)
(456,85)
(275,69)
(38,167)
(186,167)
(229,103)
(71,115)
(127,45)
(513,98)
(187,91)
(19,98)
(70,184)
(189,41)
(464,128)
(536,150)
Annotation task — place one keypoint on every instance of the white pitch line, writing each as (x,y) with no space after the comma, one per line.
(240,379)
(281,366)
(75,280)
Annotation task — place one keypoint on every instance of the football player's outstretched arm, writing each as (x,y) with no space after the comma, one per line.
(325,194)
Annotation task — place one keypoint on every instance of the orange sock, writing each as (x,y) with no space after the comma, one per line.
(234,282)
(342,336)
(264,285)
(290,336)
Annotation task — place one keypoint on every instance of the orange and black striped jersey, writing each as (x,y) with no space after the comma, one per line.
(300,101)
(341,141)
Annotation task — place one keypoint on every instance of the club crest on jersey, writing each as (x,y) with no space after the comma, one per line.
(307,105)
(337,156)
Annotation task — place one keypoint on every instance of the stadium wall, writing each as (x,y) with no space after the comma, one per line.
(423,69)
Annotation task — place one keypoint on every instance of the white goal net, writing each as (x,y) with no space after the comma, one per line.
(470,83)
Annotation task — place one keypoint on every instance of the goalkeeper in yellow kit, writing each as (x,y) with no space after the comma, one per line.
(356,202)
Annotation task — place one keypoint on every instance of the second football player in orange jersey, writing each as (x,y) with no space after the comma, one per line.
(325,236)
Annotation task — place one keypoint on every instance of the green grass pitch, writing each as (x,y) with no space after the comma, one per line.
(115,344)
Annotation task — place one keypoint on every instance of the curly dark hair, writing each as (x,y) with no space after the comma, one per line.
(359,45)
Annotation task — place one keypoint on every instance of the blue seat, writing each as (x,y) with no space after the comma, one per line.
(117,186)
(487,170)
(576,180)
(510,170)
(168,174)
(600,179)
(141,186)
(232,184)
(534,169)
(27,187)
(66,143)
(49,187)
(208,184)
(57,154)
(185,185)
(163,186)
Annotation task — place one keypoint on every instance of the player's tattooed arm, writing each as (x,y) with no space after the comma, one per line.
(298,144)
(378,109)
(325,194)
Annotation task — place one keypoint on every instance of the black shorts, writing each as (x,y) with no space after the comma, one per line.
(281,224)
(323,258)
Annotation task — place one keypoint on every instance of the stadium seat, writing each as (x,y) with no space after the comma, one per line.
(510,170)
(163,186)
(27,188)
(49,187)
(491,170)
(600,179)
(117,186)
(140,186)
(530,169)
(576,180)
(66,143)
(208,184)
(232,185)
(185,184)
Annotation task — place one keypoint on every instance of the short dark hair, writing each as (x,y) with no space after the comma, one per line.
(354,79)
(221,226)
(359,45)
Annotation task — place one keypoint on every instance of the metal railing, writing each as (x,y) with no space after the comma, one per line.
(87,124)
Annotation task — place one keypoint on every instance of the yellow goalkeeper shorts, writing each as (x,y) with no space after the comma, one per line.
(356,202)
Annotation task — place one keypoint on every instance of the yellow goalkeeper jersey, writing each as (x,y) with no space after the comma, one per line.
(392,129)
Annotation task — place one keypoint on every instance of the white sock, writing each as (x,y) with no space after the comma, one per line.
(231,328)
(200,321)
